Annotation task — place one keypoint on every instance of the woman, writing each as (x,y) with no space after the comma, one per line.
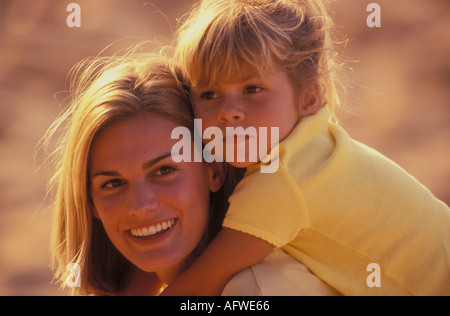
(130,218)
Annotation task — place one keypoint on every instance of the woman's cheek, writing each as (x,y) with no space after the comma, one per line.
(108,209)
(192,201)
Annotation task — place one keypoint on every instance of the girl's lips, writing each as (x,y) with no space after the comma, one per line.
(152,229)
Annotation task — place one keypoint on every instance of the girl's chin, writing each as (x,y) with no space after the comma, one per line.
(242,164)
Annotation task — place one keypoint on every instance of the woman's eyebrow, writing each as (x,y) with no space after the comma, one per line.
(146,166)
(152,162)
(106,174)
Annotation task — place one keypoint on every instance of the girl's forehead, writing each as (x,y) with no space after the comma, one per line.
(251,78)
(233,75)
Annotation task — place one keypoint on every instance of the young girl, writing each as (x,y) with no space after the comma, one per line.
(334,204)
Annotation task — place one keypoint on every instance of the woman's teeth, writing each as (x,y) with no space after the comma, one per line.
(152,229)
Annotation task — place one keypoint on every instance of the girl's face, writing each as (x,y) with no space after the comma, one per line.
(249,102)
(154,210)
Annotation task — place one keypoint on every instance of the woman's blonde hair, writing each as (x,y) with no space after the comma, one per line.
(221,39)
(104,91)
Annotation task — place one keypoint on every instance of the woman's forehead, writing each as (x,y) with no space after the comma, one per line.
(138,141)
(144,133)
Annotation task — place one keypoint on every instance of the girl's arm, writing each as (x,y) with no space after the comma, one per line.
(230,252)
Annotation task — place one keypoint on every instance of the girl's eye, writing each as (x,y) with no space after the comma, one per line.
(164,171)
(209,95)
(112,184)
(252,89)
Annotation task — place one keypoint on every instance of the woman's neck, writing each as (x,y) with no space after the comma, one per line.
(171,274)
(144,284)
(152,283)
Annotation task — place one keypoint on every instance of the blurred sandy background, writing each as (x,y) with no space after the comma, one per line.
(399,95)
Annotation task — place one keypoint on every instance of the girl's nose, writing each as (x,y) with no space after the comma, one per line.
(143,200)
(231,112)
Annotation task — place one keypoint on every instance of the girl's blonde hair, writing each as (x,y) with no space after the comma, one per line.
(106,90)
(221,39)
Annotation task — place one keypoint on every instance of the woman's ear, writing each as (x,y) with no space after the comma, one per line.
(309,100)
(216,175)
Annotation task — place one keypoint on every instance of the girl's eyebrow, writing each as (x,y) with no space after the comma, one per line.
(145,166)
(242,79)
(251,77)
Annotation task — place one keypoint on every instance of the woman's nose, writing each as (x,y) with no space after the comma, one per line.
(143,200)
(231,112)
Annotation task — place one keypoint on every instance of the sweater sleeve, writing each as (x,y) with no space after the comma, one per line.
(269,206)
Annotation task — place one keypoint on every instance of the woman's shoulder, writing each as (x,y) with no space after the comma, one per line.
(277,275)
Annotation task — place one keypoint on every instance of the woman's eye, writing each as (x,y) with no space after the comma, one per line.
(209,95)
(252,89)
(164,171)
(112,184)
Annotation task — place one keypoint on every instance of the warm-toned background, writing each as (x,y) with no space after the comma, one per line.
(399,93)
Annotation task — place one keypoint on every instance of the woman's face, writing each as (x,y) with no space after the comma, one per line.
(154,210)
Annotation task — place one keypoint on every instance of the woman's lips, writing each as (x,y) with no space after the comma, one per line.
(152,229)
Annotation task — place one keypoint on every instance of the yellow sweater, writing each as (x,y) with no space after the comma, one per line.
(337,206)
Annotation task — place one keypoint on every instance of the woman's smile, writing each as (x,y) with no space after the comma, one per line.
(153,235)
(148,204)
(152,229)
